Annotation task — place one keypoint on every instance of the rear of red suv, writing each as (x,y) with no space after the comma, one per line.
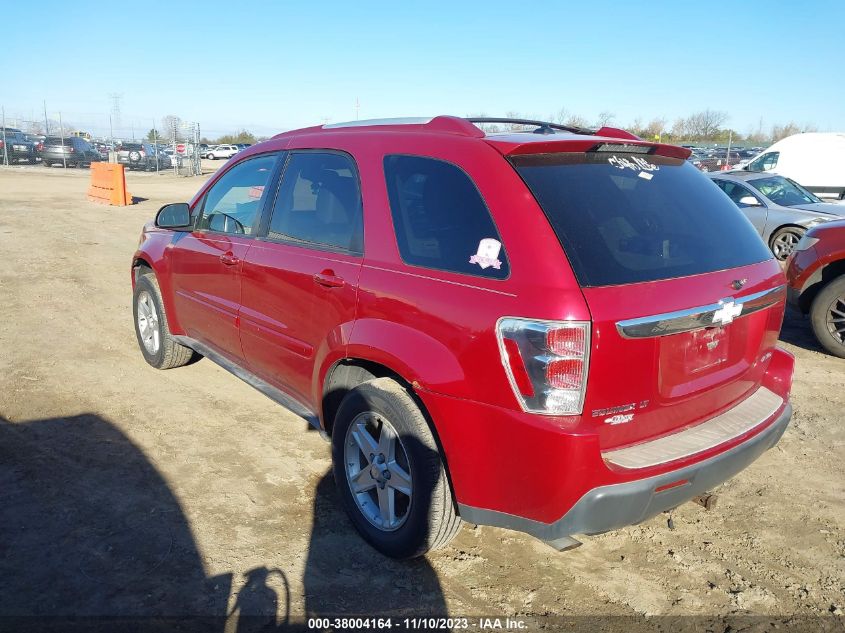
(557,333)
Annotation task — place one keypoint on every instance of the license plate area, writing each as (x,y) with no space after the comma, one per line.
(705,350)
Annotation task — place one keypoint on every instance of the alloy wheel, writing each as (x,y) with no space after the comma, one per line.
(836,319)
(378,471)
(784,244)
(148,325)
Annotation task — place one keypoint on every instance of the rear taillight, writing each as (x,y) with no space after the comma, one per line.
(143,154)
(546,363)
(39,147)
(2,145)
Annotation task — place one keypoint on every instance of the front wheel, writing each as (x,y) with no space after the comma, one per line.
(827,315)
(389,473)
(784,240)
(157,344)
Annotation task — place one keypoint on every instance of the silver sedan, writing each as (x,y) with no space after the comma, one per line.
(779,208)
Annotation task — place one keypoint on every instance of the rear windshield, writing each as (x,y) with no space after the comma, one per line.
(55,140)
(132,146)
(628,218)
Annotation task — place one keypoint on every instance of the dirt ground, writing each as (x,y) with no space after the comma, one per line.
(130,491)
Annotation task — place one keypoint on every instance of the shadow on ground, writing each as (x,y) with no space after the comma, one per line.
(797,331)
(89,528)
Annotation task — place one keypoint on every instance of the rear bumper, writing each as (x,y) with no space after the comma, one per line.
(613,506)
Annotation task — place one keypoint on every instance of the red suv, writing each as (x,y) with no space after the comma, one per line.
(560,332)
(816,274)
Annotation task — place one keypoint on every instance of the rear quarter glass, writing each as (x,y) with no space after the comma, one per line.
(629,218)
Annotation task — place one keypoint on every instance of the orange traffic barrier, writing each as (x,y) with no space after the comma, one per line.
(108,185)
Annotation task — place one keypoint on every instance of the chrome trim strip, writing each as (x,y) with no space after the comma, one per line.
(697,318)
(275,394)
(744,417)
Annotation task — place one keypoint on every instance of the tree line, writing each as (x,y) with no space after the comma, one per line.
(704,126)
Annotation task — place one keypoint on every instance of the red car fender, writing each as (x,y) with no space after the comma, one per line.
(430,364)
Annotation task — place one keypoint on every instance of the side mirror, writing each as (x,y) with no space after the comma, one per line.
(749,201)
(174,216)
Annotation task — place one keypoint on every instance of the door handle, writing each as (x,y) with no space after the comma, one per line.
(328,279)
(229,259)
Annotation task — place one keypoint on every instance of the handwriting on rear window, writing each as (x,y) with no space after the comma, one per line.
(635,163)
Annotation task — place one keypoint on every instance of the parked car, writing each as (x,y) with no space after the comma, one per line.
(16,146)
(816,160)
(142,155)
(816,275)
(717,160)
(560,332)
(780,209)
(174,159)
(72,151)
(37,141)
(221,151)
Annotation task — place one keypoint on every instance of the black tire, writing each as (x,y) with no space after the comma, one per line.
(169,353)
(47,163)
(783,241)
(830,299)
(431,520)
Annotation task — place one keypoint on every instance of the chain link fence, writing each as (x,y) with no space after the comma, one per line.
(175,141)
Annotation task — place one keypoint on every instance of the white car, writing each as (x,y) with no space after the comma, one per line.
(815,159)
(221,151)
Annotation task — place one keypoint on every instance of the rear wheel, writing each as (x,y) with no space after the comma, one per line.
(389,474)
(827,315)
(157,344)
(784,240)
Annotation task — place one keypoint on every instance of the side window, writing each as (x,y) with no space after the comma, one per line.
(233,201)
(440,219)
(737,192)
(767,161)
(319,202)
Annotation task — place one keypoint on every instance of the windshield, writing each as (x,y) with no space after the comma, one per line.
(629,218)
(783,191)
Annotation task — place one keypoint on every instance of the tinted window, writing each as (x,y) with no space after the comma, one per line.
(631,218)
(319,202)
(440,219)
(233,201)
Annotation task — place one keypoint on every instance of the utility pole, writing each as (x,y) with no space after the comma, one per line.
(357,107)
(46,123)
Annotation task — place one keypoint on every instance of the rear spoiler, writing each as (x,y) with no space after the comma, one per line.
(628,144)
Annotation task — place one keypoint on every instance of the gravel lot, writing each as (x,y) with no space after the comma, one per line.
(129,491)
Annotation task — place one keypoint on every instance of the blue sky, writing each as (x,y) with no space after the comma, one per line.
(270,66)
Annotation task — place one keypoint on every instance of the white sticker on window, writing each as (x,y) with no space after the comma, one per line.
(636,163)
(645,175)
(488,254)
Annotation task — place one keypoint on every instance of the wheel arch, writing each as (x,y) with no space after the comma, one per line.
(817,282)
(786,225)
(346,374)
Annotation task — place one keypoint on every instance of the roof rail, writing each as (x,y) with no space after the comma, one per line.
(543,127)
(405,120)
(442,123)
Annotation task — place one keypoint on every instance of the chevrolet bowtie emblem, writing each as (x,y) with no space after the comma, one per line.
(728,312)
